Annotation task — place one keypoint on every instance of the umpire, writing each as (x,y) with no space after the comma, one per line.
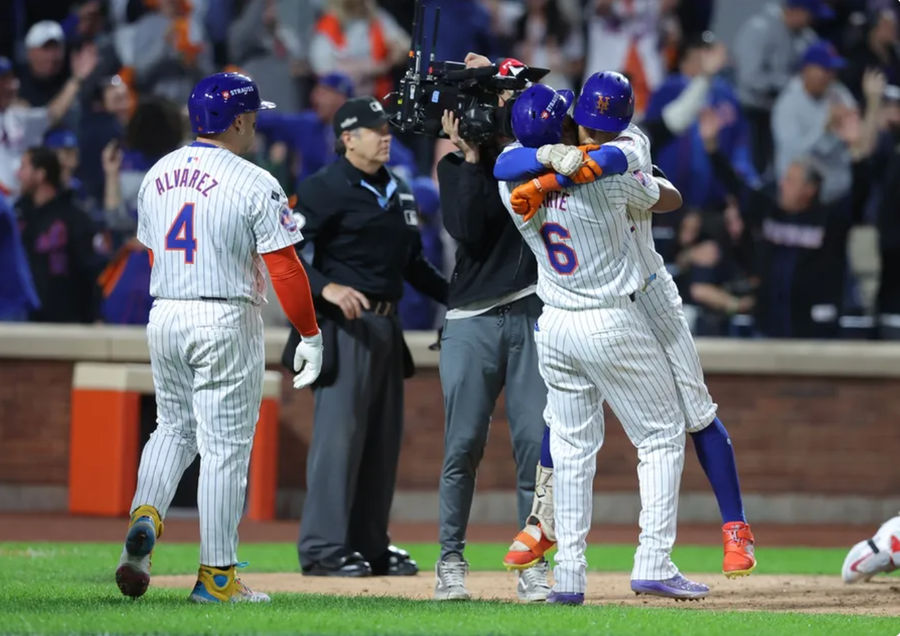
(487,343)
(361,220)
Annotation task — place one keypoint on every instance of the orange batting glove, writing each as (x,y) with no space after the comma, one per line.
(527,198)
(589,171)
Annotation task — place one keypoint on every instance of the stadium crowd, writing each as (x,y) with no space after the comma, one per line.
(784,140)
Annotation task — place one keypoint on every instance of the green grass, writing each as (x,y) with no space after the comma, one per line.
(68,588)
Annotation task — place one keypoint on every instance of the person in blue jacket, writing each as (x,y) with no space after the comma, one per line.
(17,293)
(683,158)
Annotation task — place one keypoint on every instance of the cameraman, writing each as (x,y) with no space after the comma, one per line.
(487,343)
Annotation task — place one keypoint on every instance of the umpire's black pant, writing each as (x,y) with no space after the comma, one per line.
(357,430)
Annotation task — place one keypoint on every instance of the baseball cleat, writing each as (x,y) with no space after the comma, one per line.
(220,585)
(528,548)
(133,572)
(739,558)
(874,556)
(566,598)
(678,587)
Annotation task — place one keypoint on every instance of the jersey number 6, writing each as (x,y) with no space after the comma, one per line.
(181,234)
(562,257)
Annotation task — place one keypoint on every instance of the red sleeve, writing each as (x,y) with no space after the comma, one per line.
(292,288)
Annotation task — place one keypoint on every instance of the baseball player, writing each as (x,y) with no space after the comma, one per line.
(873,556)
(660,304)
(210,219)
(594,345)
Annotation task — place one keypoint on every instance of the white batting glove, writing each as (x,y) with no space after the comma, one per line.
(308,360)
(561,158)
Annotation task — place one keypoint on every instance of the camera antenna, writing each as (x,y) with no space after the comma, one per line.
(418,33)
(434,39)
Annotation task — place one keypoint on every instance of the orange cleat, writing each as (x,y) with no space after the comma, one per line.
(529,547)
(739,558)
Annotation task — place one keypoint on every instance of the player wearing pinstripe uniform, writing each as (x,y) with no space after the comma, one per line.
(211,220)
(594,345)
(661,305)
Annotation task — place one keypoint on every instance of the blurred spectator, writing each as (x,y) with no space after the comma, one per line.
(22,126)
(87,24)
(766,51)
(167,55)
(155,130)
(363,42)
(58,238)
(45,72)
(684,159)
(624,36)
(309,133)
(17,294)
(803,245)
(815,115)
(545,39)
(64,143)
(269,51)
(106,117)
(878,50)
(886,172)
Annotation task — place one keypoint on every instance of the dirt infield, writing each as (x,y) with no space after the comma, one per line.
(769,593)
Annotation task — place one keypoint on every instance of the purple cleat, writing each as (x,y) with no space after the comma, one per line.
(678,587)
(566,598)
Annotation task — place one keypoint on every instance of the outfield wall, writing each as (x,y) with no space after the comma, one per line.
(816,427)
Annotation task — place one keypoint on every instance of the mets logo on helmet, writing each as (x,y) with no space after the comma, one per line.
(602,103)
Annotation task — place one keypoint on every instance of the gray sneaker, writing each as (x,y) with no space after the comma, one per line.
(533,586)
(450,579)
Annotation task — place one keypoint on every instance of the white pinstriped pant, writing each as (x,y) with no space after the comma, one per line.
(661,305)
(609,354)
(208,365)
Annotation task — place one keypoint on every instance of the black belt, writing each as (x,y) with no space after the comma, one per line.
(212,298)
(383,308)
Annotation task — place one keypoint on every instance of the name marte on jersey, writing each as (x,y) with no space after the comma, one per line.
(185,178)
(556,200)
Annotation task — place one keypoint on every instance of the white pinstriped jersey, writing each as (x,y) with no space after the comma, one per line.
(582,239)
(208,214)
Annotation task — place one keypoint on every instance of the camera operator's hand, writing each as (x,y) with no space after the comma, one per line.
(560,158)
(473,60)
(348,299)
(451,127)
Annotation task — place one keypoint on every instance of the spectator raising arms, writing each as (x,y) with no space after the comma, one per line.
(356,38)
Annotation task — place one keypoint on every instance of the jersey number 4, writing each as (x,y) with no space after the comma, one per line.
(562,257)
(181,234)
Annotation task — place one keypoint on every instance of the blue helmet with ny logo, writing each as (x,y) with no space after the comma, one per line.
(538,113)
(606,102)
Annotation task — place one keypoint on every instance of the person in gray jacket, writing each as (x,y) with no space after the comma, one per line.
(766,51)
(816,115)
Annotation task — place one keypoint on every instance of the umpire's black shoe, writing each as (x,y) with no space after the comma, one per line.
(394,562)
(352,564)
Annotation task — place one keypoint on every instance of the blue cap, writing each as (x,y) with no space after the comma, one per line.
(339,82)
(817,8)
(5,65)
(60,138)
(822,53)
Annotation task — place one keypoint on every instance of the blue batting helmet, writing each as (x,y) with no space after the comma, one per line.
(538,113)
(606,102)
(216,100)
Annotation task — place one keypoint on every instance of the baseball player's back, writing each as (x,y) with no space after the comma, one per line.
(205,212)
(584,243)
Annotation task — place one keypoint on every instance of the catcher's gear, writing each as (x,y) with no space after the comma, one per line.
(538,113)
(606,102)
(527,198)
(560,158)
(308,360)
(216,100)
